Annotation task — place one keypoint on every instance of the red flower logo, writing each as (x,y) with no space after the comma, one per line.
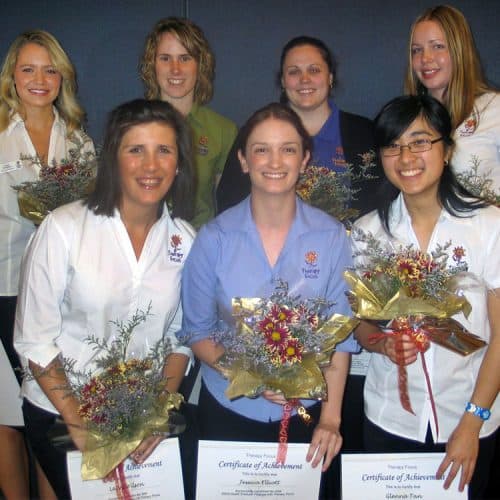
(311,257)
(175,241)
(458,254)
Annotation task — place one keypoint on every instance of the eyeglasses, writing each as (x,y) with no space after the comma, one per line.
(418,146)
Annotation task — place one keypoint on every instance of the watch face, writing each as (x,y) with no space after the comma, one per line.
(485,414)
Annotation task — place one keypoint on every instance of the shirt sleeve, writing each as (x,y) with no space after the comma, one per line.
(341,260)
(170,333)
(483,144)
(198,290)
(491,260)
(42,285)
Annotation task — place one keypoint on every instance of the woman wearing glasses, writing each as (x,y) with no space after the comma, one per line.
(423,205)
(443,62)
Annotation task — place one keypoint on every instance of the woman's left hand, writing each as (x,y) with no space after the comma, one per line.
(461,452)
(326,442)
(145,448)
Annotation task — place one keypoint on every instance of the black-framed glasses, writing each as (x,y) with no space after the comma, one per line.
(418,146)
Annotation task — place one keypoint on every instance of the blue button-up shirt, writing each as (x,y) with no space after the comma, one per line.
(228,260)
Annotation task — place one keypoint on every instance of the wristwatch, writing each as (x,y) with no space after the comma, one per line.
(478,411)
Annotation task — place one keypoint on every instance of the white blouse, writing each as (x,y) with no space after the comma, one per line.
(15,230)
(452,376)
(80,273)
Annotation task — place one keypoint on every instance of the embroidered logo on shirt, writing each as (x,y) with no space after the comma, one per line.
(458,254)
(468,127)
(338,159)
(311,261)
(174,253)
(202,145)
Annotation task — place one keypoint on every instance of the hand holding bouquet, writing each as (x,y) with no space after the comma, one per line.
(280,344)
(418,293)
(124,401)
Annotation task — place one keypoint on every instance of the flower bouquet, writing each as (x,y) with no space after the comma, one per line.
(332,191)
(479,185)
(280,344)
(59,183)
(419,293)
(122,402)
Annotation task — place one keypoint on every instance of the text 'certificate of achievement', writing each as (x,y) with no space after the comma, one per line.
(233,470)
(159,477)
(396,476)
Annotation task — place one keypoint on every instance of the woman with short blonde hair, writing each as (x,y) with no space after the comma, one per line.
(178,66)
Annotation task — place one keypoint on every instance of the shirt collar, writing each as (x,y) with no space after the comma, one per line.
(194,113)
(240,219)
(399,212)
(16,121)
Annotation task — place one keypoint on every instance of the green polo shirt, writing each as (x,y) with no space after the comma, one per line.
(213,136)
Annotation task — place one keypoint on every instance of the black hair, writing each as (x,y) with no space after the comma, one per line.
(391,122)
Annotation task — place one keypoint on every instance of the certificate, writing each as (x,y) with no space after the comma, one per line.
(396,476)
(236,470)
(159,477)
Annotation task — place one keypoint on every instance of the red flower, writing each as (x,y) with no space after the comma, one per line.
(291,351)
(281,314)
(275,337)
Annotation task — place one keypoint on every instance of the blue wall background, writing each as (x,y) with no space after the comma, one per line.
(105,39)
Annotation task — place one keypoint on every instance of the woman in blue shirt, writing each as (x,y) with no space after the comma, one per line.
(243,252)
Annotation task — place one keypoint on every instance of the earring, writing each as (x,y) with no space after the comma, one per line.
(445,163)
(176,171)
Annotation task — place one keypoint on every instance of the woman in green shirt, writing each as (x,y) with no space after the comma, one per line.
(177,66)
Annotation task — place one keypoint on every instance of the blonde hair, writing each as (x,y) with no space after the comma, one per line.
(467,79)
(193,39)
(66,102)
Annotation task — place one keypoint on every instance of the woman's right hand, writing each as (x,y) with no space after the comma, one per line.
(400,349)
(274,397)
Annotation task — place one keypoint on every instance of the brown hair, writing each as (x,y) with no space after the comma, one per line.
(107,193)
(278,111)
(193,39)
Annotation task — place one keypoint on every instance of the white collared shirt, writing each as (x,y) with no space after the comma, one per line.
(452,376)
(479,136)
(15,230)
(80,273)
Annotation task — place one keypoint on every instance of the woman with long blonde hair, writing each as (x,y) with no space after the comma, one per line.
(443,62)
(40,118)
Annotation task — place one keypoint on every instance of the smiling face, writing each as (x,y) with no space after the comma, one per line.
(274,157)
(417,175)
(431,60)
(176,71)
(147,160)
(37,80)
(306,78)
